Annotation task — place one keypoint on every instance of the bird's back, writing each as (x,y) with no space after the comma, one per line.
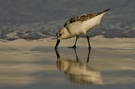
(91,23)
(84,22)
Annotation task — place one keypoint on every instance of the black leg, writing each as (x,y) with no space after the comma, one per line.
(75,43)
(88,57)
(88,41)
(77,59)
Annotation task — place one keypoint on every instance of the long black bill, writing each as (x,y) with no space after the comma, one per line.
(57,43)
(57,53)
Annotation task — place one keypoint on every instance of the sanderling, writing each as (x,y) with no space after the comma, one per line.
(79,25)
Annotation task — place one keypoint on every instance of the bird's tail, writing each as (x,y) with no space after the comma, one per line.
(98,13)
(106,10)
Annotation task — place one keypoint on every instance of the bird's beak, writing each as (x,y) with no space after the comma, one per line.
(57,43)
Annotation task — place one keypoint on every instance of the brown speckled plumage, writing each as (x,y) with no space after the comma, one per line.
(79,25)
(82,18)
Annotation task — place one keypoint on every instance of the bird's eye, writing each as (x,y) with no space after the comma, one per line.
(60,34)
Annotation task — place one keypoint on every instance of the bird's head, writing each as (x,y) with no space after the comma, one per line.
(62,34)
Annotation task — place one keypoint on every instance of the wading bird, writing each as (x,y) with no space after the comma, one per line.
(79,25)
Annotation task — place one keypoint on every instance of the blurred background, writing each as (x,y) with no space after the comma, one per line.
(34,19)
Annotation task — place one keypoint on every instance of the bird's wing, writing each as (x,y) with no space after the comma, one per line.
(93,21)
(82,18)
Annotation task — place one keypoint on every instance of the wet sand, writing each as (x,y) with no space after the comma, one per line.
(35,63)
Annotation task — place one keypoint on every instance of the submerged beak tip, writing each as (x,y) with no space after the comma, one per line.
(57,43)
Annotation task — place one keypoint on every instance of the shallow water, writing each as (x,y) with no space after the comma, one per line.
(41,19)
(67,68)
(110,64)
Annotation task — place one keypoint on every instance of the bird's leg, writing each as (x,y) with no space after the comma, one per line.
(88,41)
(88,57)
(75,42)
(77,59)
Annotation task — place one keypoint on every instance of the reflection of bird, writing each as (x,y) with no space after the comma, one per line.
(78,72)
(79,25)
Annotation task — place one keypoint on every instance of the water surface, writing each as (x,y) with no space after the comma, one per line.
(99,68)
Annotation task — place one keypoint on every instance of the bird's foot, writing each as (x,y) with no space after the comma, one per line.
(73,47)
